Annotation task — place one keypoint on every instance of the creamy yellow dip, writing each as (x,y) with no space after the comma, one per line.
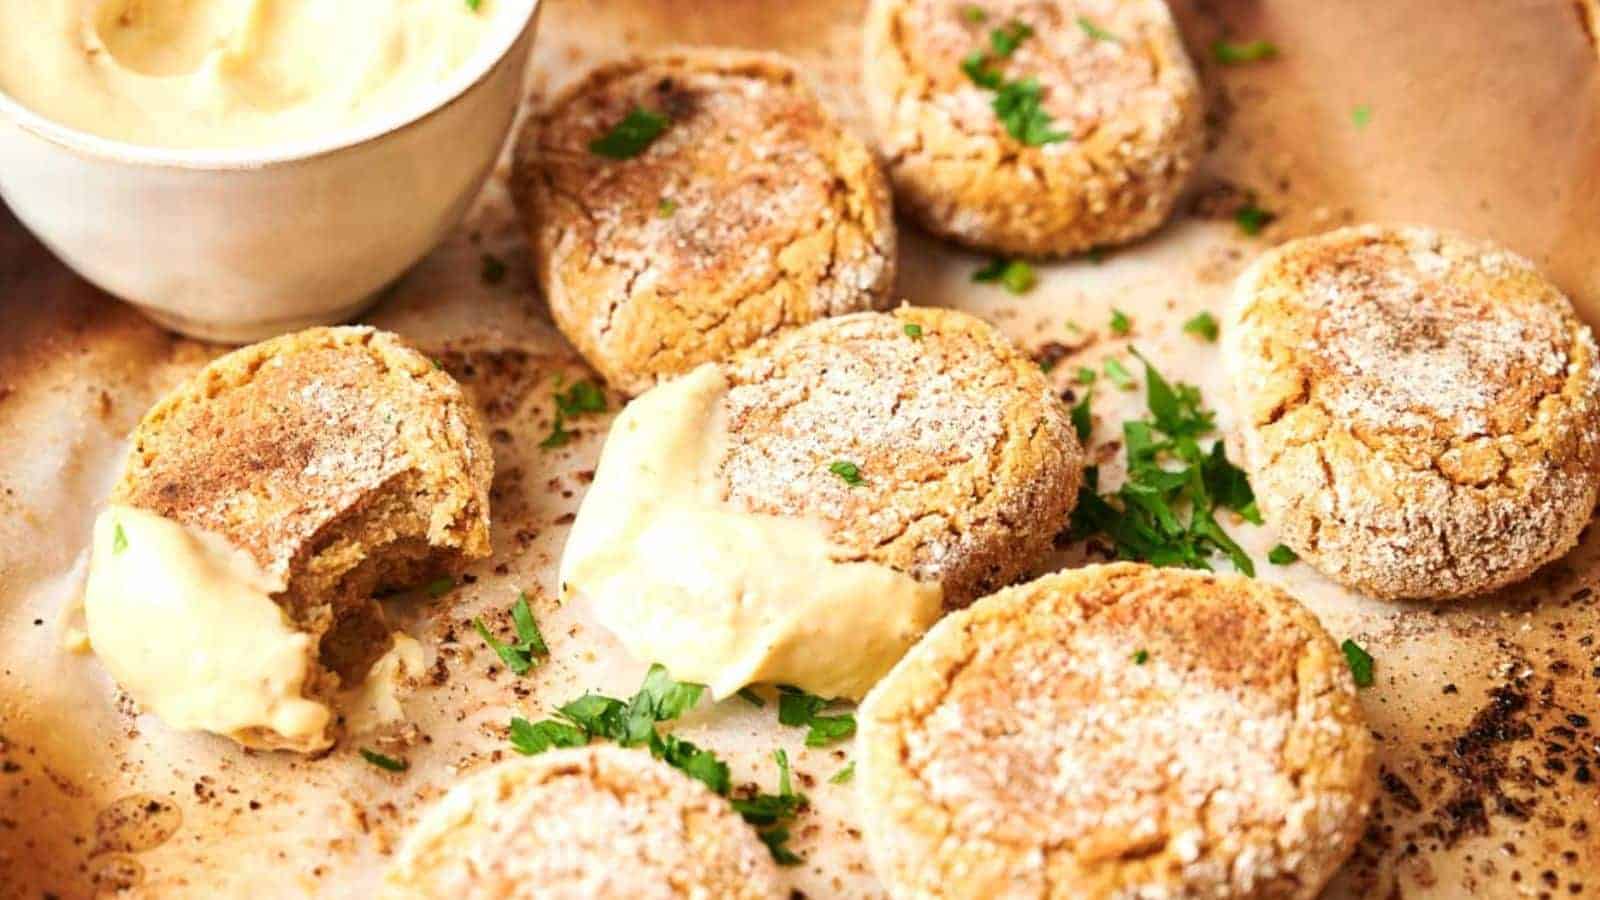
(718,595)
(186,625)
(229,73)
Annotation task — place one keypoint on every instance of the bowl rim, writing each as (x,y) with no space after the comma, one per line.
(467,77)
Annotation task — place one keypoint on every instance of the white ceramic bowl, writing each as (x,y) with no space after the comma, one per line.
(238,245)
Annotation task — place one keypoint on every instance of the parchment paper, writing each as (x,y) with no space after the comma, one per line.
(1484,116)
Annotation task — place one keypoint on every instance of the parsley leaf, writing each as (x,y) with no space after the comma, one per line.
(1141,656)
(632,136)
(976,66)
(1014,275)
(581,397)
(768,811)
(1118,373)
(1281,555)
(518,657)
(1120,324)
(1082,420)
(474,5)
(848,471)
(1252,218)
(1086,375)
(1229,53)
(387,763)
(665,207)
(1203,326)
(1095,31)
(532,738)
(1020,108)
(1005,40)
(119,539)
(1360,662)
(797,708)
(1361,115)
(699,764)
(845,774)
(749,696)
(914,331)
(1165,511)
(974,13)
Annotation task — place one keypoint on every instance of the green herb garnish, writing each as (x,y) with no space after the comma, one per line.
(474,5)
(1165,512)
(1281,555)
(119,539)
(1361,115)
(581,397)
(1140,657)
(1120,324)
(518,657)
(1020,107)
(1082,421)
(1229,53)
(440,586)
(531,738)
(1095,31)
(387,763)
(1203,326)
(1005,41)
(914,331)
(665,207)
(1086,375)
(974,14)
(849,471)
(749,695)
(1014,275)
(1360,662)
(632,136)
(796,708)
(844,775)
(1119,374)
(1251,219)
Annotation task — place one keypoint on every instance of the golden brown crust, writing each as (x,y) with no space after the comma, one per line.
(1420,412)
(967,460)
(592,822)
(341,459)
(754,210)
(1131,104)
(1117,731)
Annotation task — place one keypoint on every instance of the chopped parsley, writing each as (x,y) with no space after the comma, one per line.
(440,586)
(581,397)
(1014,275)
(1251,219)
(1095,31)
(974,13)
(749,695)
(1018,103)
(1203,326)
(1005,41)
(1082,421)
(474,5)
(665,207)
(844,775)
(1361,115)
(632,723)
(1281,555)
(518,657)
(119,539)
(848,471)
(1165,511)
(1086,375)
(796,708)
(1119,375)
(1120,324)
(1230,53)
(632,136)
(387,763)
(1360,662)
(1141,656)
(914,331)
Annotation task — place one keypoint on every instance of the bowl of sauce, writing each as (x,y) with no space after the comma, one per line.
(241,168)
